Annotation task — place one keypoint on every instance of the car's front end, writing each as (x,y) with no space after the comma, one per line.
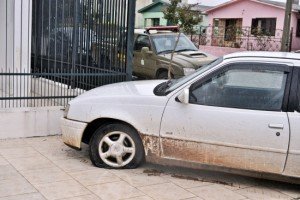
(122,101)
(185,58)
(72,131)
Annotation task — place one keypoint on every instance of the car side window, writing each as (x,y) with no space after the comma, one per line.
(142,41)
(242,88)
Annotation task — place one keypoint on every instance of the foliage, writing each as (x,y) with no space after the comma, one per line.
(183,14)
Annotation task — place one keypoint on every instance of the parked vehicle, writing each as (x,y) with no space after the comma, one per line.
(241,111)
(152,54)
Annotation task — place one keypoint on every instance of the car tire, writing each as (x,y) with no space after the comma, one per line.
(163,75)
(116,146)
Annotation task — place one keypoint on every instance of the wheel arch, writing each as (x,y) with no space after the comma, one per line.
(160,70)
(97,123)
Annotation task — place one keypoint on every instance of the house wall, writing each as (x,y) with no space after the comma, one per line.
(247,10)
(296,40)
(205,21)
(139,19)
(149,15)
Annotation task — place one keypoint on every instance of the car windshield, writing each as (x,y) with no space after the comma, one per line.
(166,43)
(174,84)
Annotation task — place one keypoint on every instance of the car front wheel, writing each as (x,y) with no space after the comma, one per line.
(116,146)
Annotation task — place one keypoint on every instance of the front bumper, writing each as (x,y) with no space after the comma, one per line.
(72,132)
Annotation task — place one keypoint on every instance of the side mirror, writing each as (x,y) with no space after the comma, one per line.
(146,50)
(184,96)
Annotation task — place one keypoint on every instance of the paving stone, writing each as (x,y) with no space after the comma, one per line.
(43,140)
(31,196)
(3,161)
(74,165)
(16,186)
(95,176)
(116,190)
(85,197)
(187,183)
(216,192)
(194,198)
(140,198)
(123,173)
(262,193)
(166,191)
(61,154)
(62,189)
(292,192)
(12,143)
(31,163)
(22,152)
(47,175)
(8,172)
(140,180)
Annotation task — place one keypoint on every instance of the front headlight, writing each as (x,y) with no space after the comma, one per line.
(66,111)
(188,71)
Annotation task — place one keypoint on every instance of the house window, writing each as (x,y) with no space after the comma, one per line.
(263,26)
(216,24)
(152,22)
(298,28)
(230,30)
(155,22)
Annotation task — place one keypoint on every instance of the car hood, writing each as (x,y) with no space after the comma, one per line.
(134,88)
(191,59)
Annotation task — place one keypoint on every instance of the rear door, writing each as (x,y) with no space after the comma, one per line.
(293,161)
(235,118)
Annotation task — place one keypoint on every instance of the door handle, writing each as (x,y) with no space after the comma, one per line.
(276,126)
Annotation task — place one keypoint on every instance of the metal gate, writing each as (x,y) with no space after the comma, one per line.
(83,40)
(77,45)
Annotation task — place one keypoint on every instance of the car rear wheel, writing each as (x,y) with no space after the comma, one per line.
(116,146)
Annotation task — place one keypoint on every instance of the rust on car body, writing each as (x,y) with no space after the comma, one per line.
(216,155)
(151,145)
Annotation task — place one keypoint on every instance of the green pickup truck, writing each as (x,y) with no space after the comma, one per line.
(153,51)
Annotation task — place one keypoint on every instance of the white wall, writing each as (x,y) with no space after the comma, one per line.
(15,42)
(15,34)
(30,122)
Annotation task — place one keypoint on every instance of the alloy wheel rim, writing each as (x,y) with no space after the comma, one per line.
(117,149)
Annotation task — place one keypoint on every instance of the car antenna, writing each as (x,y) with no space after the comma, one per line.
(172,55)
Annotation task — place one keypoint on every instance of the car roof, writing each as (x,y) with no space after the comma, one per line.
(264,54)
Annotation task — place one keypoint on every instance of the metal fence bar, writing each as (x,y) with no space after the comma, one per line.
(77,45)
(246,38)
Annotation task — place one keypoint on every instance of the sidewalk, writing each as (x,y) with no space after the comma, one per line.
(44,168)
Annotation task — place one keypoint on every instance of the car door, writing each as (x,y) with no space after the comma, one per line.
(293,160)
(140,61)
(235,118)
